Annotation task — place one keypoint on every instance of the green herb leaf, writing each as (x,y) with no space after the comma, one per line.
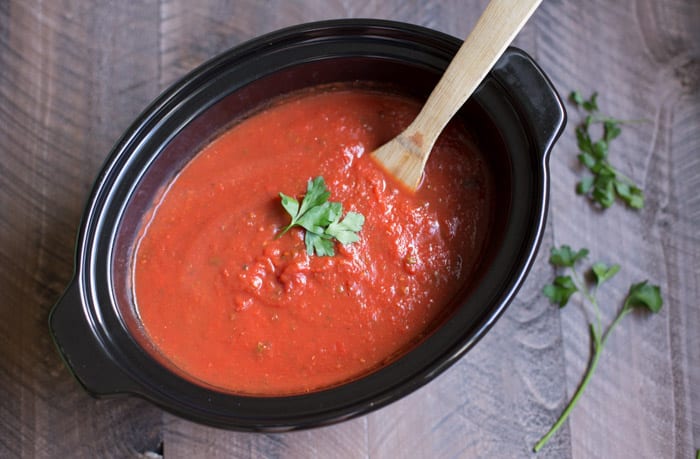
(316,194)
(600,149)
(632,195)
(636,200)
(603,272)
(611,129)
(591,105)
(645,296)
(317,218)
(587,160)
(608,184)
(560,290)
(320,245)
(585,185)
(321,219)
(603,190)
(640,295)
(583,139)
(576,98)
(565,257)
(290,204)
(345,231)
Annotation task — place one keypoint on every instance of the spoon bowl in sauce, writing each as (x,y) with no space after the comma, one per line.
(404,157)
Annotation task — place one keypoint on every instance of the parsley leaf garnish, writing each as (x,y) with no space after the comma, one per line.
(645,296)
(561,290)
(321,219)
(640,295)
(606,183)
(565,257)
(316,195)
(603,272)
(345,231)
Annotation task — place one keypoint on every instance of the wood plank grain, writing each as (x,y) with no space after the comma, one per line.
(185,439)
(640,380)
(64,98)
(682,243)
(73,75)
(193,32)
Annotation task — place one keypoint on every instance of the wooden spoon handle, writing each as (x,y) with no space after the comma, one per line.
(495,30)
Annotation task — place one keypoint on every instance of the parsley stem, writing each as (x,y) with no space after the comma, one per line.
(567,411)
(598,344)
(607,119)
(581,285)
(623,312)
(621,176)
(640,295)
(284,230)
(599,328)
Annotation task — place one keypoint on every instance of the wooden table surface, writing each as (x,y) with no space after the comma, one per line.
(74,74)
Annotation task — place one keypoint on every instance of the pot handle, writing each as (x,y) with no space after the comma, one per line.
(82,351)
(534,97)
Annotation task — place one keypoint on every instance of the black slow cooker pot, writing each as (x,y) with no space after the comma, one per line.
(515,116)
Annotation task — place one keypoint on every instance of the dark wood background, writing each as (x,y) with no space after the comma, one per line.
(73,74)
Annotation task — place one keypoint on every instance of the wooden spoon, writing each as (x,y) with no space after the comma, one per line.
(405,156)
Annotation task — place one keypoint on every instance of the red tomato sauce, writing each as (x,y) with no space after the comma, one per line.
(232,305)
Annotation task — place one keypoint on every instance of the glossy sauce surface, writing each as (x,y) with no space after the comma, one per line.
(234,306)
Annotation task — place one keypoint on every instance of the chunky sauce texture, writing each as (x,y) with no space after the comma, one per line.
(237,308)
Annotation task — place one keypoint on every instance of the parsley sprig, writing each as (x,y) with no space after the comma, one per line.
(641,295)
(321,219)
(606,183)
